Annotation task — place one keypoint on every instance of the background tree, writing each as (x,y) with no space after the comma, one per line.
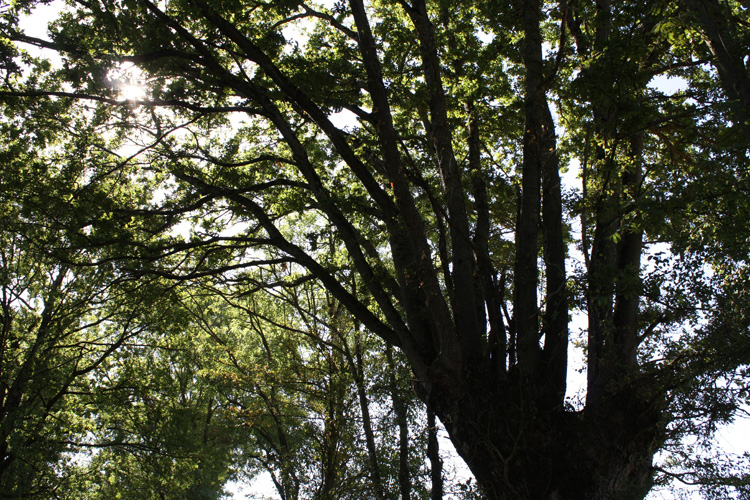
(318,395)
(60,321)
(160,425)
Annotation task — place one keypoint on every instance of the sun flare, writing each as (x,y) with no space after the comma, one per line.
(128,81)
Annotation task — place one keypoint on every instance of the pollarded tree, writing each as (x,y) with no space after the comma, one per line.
(443,191)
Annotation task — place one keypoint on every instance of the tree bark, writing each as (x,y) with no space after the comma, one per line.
(517,453)
(467,323)
(525,303)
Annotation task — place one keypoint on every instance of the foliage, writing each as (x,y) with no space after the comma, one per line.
(213,270)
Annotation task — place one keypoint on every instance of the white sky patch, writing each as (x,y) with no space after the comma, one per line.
(259,488)
(36,23)
(668,85)
(344,120)
(484,36)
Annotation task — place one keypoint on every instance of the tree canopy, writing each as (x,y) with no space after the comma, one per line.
(218,218)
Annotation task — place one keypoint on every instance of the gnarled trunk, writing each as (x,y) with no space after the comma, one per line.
(518,452)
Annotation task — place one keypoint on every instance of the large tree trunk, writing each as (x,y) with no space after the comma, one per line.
(513,431)
(517,452)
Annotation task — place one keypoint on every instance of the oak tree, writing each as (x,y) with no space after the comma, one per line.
(455,240)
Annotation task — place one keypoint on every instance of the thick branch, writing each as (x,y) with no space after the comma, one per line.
(468,326)
(296,94)
(330,282)
(525,310)
(424,303)
(487,281)
(728,55)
